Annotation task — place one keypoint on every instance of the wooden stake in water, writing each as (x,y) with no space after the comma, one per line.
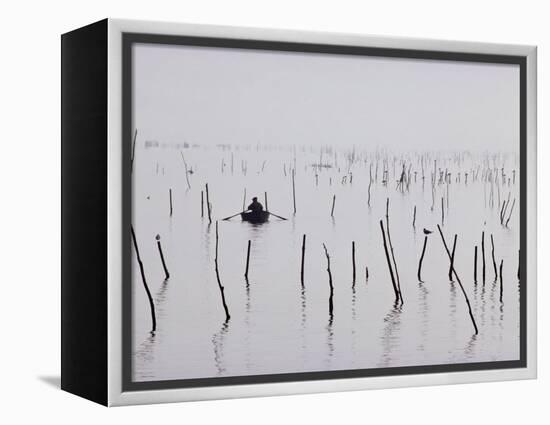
(141,269)
(442,212)
(222,289)
(170,194)
(459,282)
(247,259)
(333,203)
(186,171)
(370,184)
(303,259)
(493,257)
(330,300)
(208,205)
(353,260)
(501,263)
(391,249)
(511,211)
(265,199)
(166,274)
(395,290)
(502,212)
(475,264)
(483,257)
(202,203)
(452,259)
(293,190)
(414,217)
(244,199)
(419,275)
(504,209)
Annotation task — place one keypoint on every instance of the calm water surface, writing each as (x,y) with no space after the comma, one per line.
(278,326)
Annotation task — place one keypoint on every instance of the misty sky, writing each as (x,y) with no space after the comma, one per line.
(214,95)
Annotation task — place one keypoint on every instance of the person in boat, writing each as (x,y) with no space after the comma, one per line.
(255,206)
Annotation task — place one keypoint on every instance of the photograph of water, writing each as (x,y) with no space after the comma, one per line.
(300,212)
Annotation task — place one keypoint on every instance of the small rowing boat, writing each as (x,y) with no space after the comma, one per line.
(255,217)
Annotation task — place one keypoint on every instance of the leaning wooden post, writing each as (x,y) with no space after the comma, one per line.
(510,215)
(475,265)
(247,259)
(294,190)
(170,193)
(414,217)
(330,301)
(502,212)
(244,199)
(422,259)
(391,249)
(333,202)
(389,262)
(459,282)
(493,257)
(501,262)
(227,316)
(483,256)
(186,171)
(353,260)
(303,259)
(208,209)
(202,203)
(265,198)
(452,259)
(151,304)
(167,275)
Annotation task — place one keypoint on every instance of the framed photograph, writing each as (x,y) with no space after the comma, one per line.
(252,212)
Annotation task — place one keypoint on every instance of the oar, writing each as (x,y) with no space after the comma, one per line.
(231,216)
(278,216)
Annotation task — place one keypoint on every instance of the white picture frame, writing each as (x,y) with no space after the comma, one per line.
(112,387)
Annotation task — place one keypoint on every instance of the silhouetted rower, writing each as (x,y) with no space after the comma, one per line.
(255,206)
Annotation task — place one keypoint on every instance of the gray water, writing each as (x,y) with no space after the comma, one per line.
(278,326)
